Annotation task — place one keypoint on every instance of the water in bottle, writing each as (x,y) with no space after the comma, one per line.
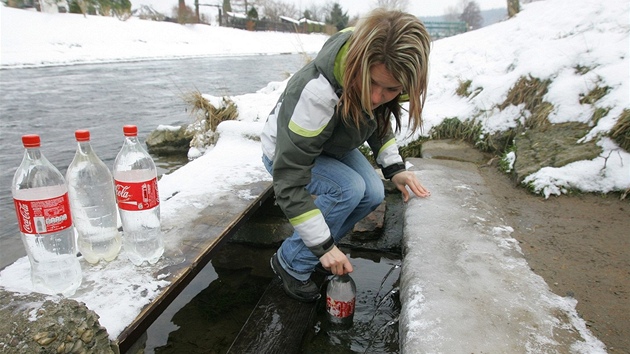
(135,179)
(43,211)
(340,301)
(93,203)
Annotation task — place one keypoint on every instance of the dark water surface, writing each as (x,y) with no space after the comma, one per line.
(55,101)
(208,315)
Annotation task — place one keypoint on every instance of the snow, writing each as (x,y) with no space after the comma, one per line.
(542,41)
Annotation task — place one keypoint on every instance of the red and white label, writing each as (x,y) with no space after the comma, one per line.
(43,216)
(340,309)
(135,196)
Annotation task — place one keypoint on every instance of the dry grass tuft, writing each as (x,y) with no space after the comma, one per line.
(203,111)
(594,95)
(469,131)
(463,90)
(620,133)
(530,92)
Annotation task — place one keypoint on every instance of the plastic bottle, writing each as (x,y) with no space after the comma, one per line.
(43,211)
(135,180)
(93,203)
(340,301)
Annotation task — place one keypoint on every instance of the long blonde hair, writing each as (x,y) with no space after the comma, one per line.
(401,42)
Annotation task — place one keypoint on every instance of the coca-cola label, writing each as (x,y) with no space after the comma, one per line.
(43,216)
(339,309)
(135,196)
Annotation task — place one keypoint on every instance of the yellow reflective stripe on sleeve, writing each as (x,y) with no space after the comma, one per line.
(387,144)
(304,217)
(304,132)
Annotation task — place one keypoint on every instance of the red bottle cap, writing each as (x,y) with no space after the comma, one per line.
(130,130)
(82,135)
(31,140)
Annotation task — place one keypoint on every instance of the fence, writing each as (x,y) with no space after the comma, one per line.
(445,29)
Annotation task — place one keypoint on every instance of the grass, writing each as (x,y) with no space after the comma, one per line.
(582,70)
(207,117)
(594,95)
(505,164)
(463,90)
(470,131)
(620,132)
(204,112)
(598,114)
(530,91)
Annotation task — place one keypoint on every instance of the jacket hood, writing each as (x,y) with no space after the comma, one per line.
(330,61)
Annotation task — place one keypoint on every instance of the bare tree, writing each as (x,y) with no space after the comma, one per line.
(274,9)
(472,15)
(513,7)
(401,5)
(317,13)
(452,13)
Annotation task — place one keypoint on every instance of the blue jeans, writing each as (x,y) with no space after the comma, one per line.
(347,190)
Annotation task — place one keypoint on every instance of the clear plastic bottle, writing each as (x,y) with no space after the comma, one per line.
(340,301)
(93,203)
(43,211)
(135,179)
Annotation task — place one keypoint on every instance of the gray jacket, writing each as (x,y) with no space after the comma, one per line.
(304,125)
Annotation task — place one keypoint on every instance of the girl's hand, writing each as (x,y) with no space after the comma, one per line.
(336,261)
(409,179)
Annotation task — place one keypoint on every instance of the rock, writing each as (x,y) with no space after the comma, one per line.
(370,227)
(170,140)
(451,149)
(39,325)
(552,146)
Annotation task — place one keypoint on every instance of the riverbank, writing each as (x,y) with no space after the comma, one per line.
(577,243)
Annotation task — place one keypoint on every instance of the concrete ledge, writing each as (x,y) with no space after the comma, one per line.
(465,285)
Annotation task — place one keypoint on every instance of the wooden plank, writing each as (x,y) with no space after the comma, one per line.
(277,324)
(197,242)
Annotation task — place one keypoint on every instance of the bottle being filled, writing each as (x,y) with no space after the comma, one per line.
(340,301)
(43,211)
(93,203)
(135,180)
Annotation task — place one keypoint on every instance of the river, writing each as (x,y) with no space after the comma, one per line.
(55,101)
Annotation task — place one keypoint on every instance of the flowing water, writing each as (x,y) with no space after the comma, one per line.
(55,101)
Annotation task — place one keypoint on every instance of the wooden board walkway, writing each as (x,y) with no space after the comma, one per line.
(278,323)
(198,242)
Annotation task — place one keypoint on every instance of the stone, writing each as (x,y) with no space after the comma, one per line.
(552,146)
(40,325)
(370,227)
(452,149)
(170,141)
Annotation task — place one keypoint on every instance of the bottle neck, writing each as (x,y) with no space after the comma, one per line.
(84,147)
(33,153)
(132,140)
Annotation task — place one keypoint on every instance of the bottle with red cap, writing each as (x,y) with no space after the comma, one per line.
(43,211)
(340,301)
(135,180)
(93,203)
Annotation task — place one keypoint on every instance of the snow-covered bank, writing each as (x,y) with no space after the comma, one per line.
(38,39)
(578,46)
